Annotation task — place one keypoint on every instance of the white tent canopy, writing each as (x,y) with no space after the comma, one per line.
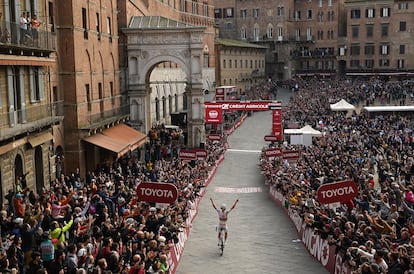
(310,131)
(342,106)
(302,136)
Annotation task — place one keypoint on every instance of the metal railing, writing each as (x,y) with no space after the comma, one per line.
(12,35)
(30,114)
(112,113)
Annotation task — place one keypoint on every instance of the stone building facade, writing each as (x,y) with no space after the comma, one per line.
(239,64)
(380,37)
(29,113)
(324,37)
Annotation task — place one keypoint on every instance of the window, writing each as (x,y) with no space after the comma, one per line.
(279,33)
(205,13)
(183,8)
(403,26)
(320,3)
(320,16)
(297,15)
(402,49)
(230,63)
(280,11)
(384,30)
(385,12)
(217,13)
(384,49)
(400,63)
(297,32)
(309,14)
(330,16)
(355,50)
(243,13)
(84,24)
(111,91)
(88,97)
(256,32)
(369,49)
(309,34)
(194,7)
(370,13)
(330,3)
(354,63)
(108,25)
(36,82)
(355,31)
(370,31)
(269,31)
(243,34)
(98,27)
(206,60)
(255,13)
(224,63)
(369,63)
(164,107)
(355,14)
(403,5)
(228,13)
(384,62)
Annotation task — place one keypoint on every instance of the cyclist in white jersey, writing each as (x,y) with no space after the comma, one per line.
(223,215)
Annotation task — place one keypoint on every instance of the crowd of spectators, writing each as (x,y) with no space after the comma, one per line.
(96,223)
(373,232)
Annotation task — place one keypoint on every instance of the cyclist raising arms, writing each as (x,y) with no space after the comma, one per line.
(223,214)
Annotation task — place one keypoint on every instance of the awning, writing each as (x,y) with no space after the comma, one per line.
(119,139)
(40,139)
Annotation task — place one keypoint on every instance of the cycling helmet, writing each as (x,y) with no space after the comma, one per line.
(223,206)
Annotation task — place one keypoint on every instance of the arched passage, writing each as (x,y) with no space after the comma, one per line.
(152,40)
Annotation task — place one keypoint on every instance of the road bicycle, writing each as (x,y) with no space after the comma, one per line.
(221,241)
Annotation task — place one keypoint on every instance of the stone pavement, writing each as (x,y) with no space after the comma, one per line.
(261,237)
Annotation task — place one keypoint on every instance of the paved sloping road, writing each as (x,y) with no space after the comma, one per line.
(261,237)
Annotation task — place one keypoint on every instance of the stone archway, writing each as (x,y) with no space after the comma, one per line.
(152,40)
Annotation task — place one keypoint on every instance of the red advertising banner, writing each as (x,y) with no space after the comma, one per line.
(214,137)
(273,152)
(291,155)
(342,192)
(271,138)
(200,153)
(157,192)
(241,105)
(277,129)
(214,115)
(186,154)
(319,248)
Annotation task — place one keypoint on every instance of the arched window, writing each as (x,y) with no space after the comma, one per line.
(243,33)
(269,31)
(256,32)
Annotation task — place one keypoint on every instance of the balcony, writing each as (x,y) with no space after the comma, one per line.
(100,119)
(19,121)
(15,41)
(314,53)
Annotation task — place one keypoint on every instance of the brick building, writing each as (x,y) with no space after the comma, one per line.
(324,37)
(379,38)
(239,64)
(29,110)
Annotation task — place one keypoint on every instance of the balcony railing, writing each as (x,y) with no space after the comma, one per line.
(114,113)
(316,53)
(12,36)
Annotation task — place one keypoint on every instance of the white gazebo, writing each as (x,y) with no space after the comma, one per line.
(342,105)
